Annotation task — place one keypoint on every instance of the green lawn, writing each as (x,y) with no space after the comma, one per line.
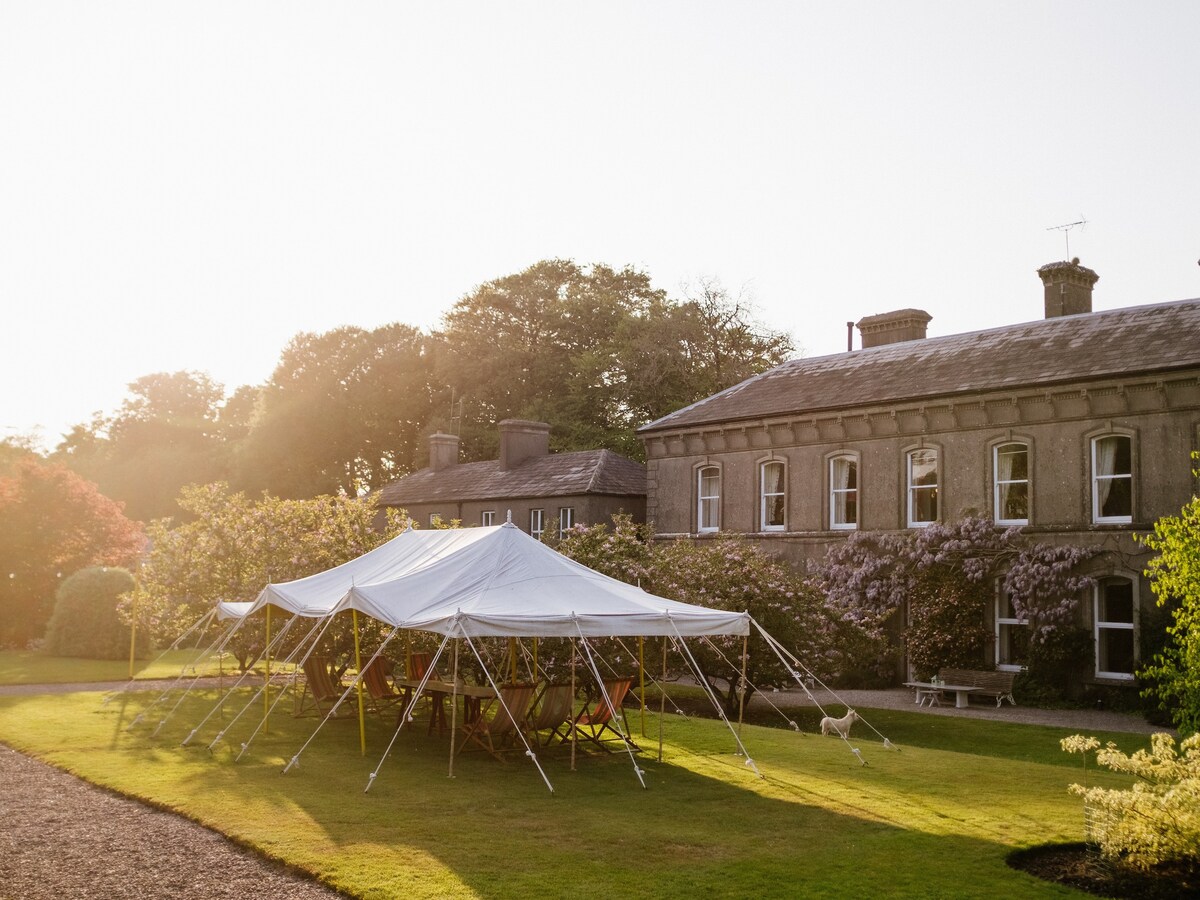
(934,820)
(32,667)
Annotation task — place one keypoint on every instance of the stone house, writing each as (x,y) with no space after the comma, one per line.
(541,490)
(1077,427)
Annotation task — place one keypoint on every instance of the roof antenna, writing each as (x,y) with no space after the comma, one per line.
(455,418)
(1066,230)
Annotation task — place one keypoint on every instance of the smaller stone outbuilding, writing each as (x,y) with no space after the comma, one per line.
(539,489)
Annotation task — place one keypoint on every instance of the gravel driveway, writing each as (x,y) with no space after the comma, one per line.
(61,838)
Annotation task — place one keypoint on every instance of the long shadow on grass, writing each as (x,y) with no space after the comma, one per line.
(819,823)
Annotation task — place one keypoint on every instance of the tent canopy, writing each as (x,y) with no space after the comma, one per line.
(494,581)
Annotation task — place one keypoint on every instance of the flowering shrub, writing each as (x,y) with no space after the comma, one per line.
(729,574)
(945,573)
(1174,675)
(1157,821)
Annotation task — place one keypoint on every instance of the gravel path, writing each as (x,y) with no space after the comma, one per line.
(61,838)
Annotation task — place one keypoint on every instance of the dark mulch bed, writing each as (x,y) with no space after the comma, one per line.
(1081,867)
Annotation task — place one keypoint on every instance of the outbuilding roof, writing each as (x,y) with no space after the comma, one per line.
(1136,340)
(553,475)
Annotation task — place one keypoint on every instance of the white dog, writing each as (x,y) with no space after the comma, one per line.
(841,726)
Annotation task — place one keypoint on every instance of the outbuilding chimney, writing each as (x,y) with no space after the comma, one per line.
(1068,288)
(443,451)
(521,440)
(893,327)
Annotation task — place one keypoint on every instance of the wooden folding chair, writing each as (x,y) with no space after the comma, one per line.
(509,711)
(319,687)
(380,693)
(552,713)
(592,722)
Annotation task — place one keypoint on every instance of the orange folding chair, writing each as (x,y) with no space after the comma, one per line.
(592,722)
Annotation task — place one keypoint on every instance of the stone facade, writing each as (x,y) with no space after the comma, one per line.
(1079,428)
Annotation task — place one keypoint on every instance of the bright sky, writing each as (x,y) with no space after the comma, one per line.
(186,186)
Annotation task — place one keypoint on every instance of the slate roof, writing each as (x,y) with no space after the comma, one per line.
(554,475)
(1136,340)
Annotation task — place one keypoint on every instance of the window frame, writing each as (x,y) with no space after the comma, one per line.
(538,514)
(853,459)
(1001,604)
(487,518)
(763,495)
(1099,625)
(910,489)
(1097,505)
(569,523)
(997,483)
(714,499)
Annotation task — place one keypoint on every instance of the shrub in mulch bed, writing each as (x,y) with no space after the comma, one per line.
(1082,867)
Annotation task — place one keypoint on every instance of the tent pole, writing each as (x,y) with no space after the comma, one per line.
(453,707)
(742,683)
(512,656)
(535,665)
(642,678)
(132,631)
(362,719)
(267,683)
(574,730)
(662,699)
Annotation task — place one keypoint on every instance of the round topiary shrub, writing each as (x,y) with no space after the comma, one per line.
(85,623)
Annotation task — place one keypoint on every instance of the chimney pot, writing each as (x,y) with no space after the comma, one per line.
(521,440)
(1068,288)
(893,327)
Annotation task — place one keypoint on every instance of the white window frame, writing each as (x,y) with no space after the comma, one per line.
(909,458)
(1097,479)
(711,500)
(488,518)
(999,483)
(537,522)
(835,492)
(1099,625)
(1013,621)
(764,497)
(566,520)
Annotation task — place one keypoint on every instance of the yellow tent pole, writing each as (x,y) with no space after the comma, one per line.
(453,707)
(267,684)
(512,655)
(662,699)
(132,632)
(362,719)
(535,665)
(642,678)
(742,684)
(574,730)
(408,672)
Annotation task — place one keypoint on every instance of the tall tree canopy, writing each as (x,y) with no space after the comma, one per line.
(344,410)
(52,523)
(594,351)
(167,433)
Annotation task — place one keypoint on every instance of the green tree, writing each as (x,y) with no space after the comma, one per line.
(1174,674)
(85,621)
(343,411)
(52,523)
(165,435)
(232,546)
(595,351)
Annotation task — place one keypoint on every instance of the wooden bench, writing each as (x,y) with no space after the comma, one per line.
(986,684)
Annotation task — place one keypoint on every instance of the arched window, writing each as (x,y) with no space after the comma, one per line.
(1010,467)
(772,495)
(843,492)
(708,498)
(1112,479)
(922,487)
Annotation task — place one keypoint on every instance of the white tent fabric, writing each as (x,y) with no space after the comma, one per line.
(232,609)
(499,581)
(317,595)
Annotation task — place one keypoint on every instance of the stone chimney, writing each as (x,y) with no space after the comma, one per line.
(1068,288)
(443,451)
(893,327)
(521,440)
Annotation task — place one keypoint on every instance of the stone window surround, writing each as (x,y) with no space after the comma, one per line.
(697,474)
(762,496)
(831,458)
(1093,500)
(906,510)
(994,489)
